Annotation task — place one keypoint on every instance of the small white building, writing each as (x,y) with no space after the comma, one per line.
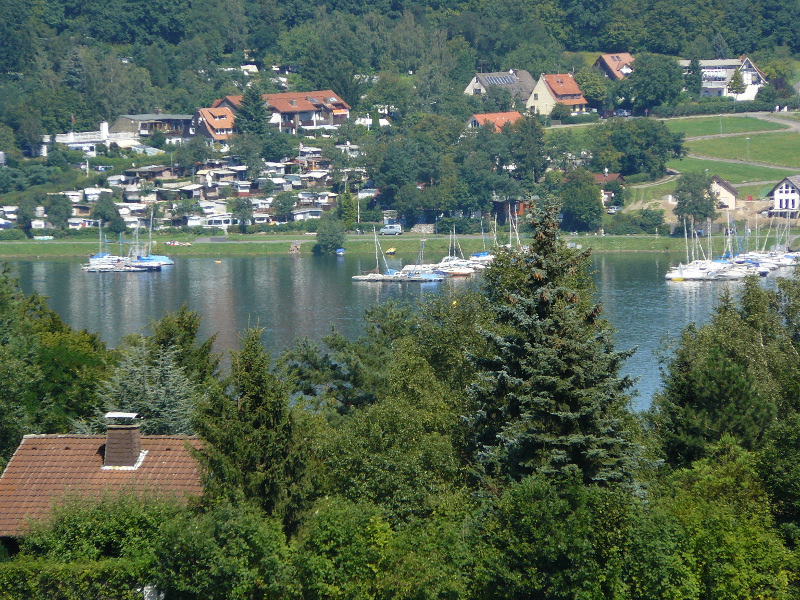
(725,193)
(786,196)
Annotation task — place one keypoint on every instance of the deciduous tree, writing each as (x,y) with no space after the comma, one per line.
(694,200)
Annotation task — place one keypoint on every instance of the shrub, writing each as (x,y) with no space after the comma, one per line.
(12,234)
(635,221)
(463,226)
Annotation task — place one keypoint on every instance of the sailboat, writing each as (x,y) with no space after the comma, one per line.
(146,258)
(393,275)
(103,260)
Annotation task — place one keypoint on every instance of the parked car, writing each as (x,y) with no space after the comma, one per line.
(612,210)
(395,229)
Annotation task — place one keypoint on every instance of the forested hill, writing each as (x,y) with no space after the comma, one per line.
(70,63)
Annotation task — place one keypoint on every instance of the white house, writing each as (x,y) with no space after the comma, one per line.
(717,76)
(786,196)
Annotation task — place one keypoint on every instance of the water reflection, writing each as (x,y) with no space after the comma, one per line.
(299,297)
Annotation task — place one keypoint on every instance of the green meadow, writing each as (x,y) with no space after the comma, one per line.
(770,148)
(692,127)
(733,172)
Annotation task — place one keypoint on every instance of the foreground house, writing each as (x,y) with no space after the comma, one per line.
(717,75)
(46,470)
(517,82)
(560,88)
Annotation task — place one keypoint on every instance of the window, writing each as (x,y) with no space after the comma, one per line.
(535,97)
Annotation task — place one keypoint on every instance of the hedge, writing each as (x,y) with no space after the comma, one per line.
(37,579)
(715,108)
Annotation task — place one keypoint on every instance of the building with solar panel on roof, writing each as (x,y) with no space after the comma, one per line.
(519,83)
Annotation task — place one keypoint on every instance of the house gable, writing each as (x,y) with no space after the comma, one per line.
(786,195)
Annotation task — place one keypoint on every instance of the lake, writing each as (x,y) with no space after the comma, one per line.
(305,297)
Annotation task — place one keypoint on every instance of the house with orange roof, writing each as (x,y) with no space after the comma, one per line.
(497,120)
(321,109)
(615,66)
(216,123)
(555,89)
(46,470)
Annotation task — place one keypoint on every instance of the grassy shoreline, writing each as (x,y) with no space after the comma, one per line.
(435,246)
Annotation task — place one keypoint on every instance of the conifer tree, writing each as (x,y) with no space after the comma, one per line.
(250,451)
(736,85)
(251,116)
(549,399)
(155,387)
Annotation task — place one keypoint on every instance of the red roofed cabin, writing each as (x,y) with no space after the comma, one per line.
(292,110)
(615,66)
(45,469)
(497,120)
(556,89)
(215,123)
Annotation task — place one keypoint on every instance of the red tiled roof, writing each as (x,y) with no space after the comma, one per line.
(563,84)
(217,121)
(232,100)
(46,468)
(282,102)
(497,119)
(603,178)
(615,62)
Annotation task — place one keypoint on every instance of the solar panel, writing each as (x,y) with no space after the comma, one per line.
(500,80)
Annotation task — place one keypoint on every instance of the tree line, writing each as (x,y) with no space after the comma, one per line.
(72,64)
(477,444)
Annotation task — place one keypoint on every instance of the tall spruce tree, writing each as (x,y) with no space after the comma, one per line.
(252,116)
(250,450)
(549,399)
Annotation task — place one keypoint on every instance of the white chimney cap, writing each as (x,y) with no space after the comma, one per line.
(121,415)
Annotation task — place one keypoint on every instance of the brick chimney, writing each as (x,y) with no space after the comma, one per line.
(123,442)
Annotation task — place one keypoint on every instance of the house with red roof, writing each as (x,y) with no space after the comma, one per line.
(216,123)
(321,109)
(48,469)
(560,88)
(497,120)
(615,66)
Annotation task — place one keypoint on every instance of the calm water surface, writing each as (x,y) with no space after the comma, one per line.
(302,297)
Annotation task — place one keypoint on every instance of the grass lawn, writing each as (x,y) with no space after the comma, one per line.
(652,192)
(735,173)
(720,124)
(770,148)
(756,191)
